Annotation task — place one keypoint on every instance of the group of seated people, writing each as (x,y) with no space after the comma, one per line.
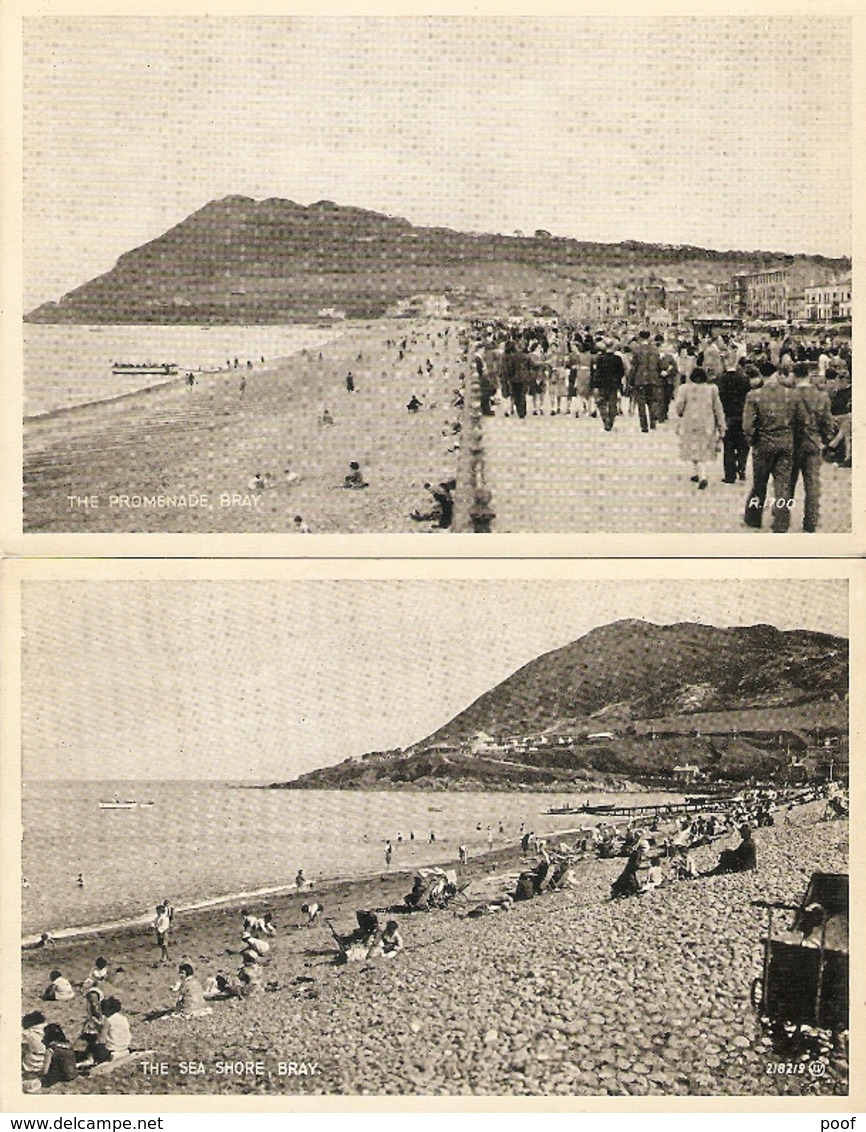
(49,1057)
(644,870)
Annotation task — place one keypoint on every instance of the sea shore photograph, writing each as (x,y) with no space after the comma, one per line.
(575,838)
(297,327)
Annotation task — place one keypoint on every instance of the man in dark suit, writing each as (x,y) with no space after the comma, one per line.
(734,386)
(606,376)
(646,381)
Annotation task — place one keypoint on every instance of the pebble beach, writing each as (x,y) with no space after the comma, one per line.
(570,994)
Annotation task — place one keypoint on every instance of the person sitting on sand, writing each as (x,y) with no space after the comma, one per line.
(325,418)
(654,876)
(299,526)
(429,511)
(190,1001)
(60,1063)
(445,499)
(268,927)
(216,986)
(257,483)
(33,1051)
(355,478)
(59,989)
(291,477)
(98,975)
(414,405)
(388,944)
(250,980)
(740,860)
(684,864)
(114,1037)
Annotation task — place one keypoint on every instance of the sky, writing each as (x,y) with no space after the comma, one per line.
(716,131)
(263,680)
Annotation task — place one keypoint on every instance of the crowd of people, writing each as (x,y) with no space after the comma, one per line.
(787,401)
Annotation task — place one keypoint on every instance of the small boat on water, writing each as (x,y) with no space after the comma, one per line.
(135,369)
(117,805)
(566,810)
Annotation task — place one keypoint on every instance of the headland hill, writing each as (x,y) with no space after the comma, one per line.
(238,260)
(634,705)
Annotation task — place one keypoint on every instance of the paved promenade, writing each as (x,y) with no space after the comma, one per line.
(557,474)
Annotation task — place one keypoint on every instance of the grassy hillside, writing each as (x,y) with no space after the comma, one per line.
(241,260)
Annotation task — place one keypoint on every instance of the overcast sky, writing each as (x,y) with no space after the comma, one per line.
(721,132)
(265,679)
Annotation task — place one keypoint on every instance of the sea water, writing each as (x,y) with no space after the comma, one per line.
(202,840)
(71,365)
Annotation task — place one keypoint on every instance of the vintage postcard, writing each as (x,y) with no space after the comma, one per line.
(563,833)
(563,274)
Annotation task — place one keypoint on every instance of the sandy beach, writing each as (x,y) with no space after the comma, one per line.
(212,439)
(567,994)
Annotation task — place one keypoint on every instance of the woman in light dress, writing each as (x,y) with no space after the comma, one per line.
(702,423)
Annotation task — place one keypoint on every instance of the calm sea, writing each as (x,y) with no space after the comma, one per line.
(202,840)
(71,365)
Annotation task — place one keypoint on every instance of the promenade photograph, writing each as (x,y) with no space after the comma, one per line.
(376,283)
(287,837)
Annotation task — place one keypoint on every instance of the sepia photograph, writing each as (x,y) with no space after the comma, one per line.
(426,274)
(575,834)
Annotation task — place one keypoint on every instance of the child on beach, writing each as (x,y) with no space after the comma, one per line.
(250,981)
(33,1051)
(60,1063)
(162,926)
(59,989)
(355,479)
(92,1024)
(654,875)
(114,1037)
(217,986)
(190,1001)
(388,944)
(98,975)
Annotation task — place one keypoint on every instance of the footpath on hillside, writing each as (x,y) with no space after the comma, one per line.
(560,474)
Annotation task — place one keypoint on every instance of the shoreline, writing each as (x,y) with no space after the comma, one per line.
(214,438)
(70,410)
(176,381)
(319,888)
